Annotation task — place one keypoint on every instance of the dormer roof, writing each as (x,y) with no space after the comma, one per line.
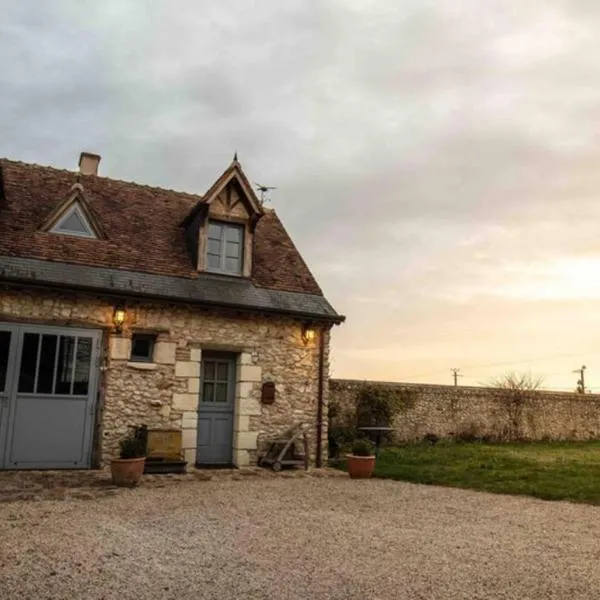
(233,173)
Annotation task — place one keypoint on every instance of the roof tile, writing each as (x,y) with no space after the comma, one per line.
(142,226)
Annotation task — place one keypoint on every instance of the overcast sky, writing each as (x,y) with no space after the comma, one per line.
(437,162)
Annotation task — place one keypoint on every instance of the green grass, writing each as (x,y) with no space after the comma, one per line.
(552,471)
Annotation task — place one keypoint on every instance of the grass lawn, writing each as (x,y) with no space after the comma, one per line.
(552,471)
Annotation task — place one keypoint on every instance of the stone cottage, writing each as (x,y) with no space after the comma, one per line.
(123,304)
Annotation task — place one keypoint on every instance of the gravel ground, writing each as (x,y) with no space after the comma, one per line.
(299,538)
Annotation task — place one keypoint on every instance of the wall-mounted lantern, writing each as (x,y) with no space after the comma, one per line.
(119,315)
(308,334)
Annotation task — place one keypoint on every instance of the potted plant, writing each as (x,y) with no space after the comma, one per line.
(128,468)
(362,460)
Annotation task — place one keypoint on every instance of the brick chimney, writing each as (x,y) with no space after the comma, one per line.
(88,163)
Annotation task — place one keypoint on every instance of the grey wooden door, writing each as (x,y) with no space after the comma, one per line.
(215,413)
(49,404)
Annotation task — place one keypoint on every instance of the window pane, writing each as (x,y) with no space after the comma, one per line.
(82,366)
(222,371)
(233,233)
(232,265)
(209,370)
(46,368)
(4,348)
(233,250)
(221,395)
(75,224)
(214,261)
(214,231)
(140,347)
(28,362)
(214,246)
(64,371)
(208,392)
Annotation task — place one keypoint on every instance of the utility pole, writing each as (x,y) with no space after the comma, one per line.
(456,374)
(581,380)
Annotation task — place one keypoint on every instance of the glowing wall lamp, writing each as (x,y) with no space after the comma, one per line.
(119,315)
(308,334)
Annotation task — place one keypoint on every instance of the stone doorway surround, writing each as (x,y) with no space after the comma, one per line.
(247,405)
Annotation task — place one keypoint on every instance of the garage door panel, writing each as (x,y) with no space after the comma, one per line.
(46,413)
(48,432)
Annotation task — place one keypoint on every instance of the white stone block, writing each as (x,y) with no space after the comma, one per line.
(195,355)
(189,438)
(189,420)
(245,440)
(244,389)
(241,423)
(186,402)
(250,373)
(119,348)
(246,358)
(241,458)
(189,455)
(187,369)
(249,406)
(194,385)
(164,353)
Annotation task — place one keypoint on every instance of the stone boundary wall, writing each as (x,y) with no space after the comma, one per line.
(479,412)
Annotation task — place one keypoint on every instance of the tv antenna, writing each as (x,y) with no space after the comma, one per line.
(264,190)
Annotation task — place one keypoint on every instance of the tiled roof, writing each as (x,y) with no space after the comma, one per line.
(142,226)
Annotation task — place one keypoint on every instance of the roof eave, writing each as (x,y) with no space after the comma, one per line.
(306,316)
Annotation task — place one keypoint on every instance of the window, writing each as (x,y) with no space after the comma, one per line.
(142,347)
(55,364)
(74,222)
(224,248)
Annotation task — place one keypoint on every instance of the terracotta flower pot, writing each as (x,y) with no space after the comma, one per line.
(360,467)
(127,472)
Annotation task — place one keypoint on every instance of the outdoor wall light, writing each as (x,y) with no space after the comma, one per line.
(119,318)
(308,334)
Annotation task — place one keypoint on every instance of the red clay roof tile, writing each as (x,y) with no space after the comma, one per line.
(142,226)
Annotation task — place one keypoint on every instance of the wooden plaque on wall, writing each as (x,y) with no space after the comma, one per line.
(268,392)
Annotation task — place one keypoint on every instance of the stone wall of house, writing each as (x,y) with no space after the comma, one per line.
(165,393)
(477,412)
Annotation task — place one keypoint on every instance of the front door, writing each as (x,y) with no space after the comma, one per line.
(48,383)
(216,406)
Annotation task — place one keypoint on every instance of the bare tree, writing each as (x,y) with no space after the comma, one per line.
(519,390)
(517,381)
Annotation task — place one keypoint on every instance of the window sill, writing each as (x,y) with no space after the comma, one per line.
(142,366)
(223,273)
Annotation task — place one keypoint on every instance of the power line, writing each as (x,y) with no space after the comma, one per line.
(514,362)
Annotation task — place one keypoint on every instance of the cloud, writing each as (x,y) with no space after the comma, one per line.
(430,156)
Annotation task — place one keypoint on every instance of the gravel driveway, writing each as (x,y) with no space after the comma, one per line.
(299,538)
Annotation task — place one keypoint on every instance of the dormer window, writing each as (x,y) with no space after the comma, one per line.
(74,222)
(224,248)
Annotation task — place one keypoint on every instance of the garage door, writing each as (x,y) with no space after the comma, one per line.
(48,385)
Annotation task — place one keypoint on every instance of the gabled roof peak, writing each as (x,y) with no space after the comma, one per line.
(73,216)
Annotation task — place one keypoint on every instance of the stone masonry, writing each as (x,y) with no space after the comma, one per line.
(165,392)
(479,412)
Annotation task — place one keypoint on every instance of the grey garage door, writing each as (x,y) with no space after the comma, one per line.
(48,385)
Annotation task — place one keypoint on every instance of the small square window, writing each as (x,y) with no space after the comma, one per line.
(142,347)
